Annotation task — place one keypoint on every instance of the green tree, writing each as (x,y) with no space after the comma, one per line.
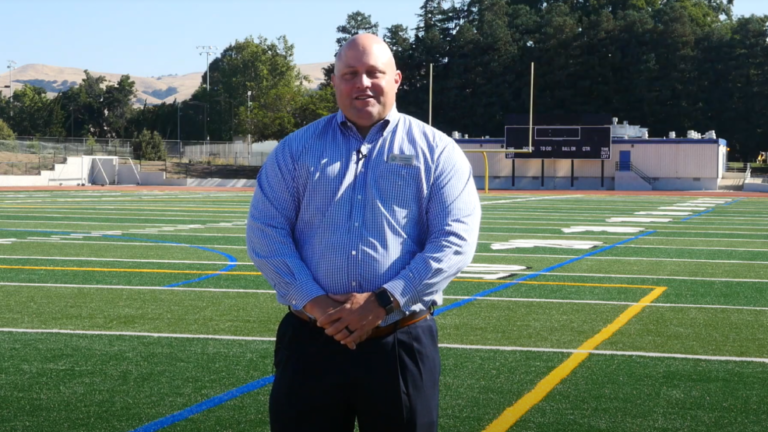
(266,69)
(118,103)
(150,145)
(6,134)
(356,23)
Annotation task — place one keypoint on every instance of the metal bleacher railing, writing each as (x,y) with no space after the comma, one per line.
(629,166)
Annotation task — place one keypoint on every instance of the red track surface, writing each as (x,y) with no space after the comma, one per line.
(723,194)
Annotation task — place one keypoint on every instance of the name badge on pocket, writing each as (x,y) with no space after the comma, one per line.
(402,159)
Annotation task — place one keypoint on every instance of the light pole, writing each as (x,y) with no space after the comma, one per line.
(11,67)
(207,50)
(249,117)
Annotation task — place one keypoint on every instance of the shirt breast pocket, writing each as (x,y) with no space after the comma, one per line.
(400,192)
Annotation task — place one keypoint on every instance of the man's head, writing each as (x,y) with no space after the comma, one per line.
(366,80)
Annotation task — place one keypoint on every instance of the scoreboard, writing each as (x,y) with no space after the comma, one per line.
(559,142)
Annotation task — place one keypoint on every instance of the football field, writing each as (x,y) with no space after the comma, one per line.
(141,311)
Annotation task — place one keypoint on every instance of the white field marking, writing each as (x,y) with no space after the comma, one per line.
(531,199)
(684,208)
(516,215)
(645,220)
(644,238)
(135,244)
(478,347)
(123,260)
(613,229)
(695,247)
(43,238)
(701,204)
(661,213)
(652,277)
(91,212)
(610,303)
(108,333)
(515,221)
(624,353)
(185,234)
(109,217)
(137,287)
(625,258)
(112,223)
(563,244)
(490,271)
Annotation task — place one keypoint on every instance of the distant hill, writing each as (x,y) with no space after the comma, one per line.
(167,88)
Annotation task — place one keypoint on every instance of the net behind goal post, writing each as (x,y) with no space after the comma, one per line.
(109,170)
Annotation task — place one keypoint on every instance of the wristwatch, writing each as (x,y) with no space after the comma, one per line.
(385,300)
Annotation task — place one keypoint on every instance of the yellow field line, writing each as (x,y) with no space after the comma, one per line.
(129,208)
(512,414)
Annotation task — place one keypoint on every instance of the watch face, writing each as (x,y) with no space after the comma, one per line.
(385,301)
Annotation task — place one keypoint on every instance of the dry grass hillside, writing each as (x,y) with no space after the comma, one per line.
(55,79)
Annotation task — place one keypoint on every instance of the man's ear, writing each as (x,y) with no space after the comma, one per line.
(333,80)
(398,79)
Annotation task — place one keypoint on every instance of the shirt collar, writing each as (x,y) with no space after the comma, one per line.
(389,121)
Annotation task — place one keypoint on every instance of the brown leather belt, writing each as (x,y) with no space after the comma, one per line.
(380,332)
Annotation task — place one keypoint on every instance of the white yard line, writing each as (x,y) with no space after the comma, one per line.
(109,333)
(536,300)
(624,258)
(650,277)
(623,353)
(241,225)
(531,199)
(91,215)
(130,243)
(454,346)
(645,239)
(123,260)
(690,247)
(137,287)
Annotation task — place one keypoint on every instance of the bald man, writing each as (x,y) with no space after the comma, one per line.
(359,221)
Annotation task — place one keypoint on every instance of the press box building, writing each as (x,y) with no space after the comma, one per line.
(636,163)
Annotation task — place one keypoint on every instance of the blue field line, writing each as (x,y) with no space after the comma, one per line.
(217,400)
(697,215)
(232,260)
(204,405)
(229,258)
(734,202)
(460,303)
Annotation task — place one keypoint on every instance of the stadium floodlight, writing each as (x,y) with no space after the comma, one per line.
(11,67)
(208,50)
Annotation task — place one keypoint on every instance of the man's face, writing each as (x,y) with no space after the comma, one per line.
(365,81)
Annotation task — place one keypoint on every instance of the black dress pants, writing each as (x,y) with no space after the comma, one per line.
(389,384)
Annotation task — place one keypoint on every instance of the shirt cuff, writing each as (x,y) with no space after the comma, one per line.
(403,292)
(303,293)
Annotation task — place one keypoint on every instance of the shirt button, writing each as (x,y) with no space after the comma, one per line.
(354,283)
(354,253)
(356,224)
(359,197)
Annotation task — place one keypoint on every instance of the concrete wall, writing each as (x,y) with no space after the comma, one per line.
(629,181)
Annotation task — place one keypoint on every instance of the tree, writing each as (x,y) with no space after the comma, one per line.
(6,134)
(150,146)
(356,23)
(266,69)
(117,101)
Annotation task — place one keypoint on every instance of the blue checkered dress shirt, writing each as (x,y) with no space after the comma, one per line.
(335,213)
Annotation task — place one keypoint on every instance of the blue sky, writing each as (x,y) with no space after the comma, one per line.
(151,38)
